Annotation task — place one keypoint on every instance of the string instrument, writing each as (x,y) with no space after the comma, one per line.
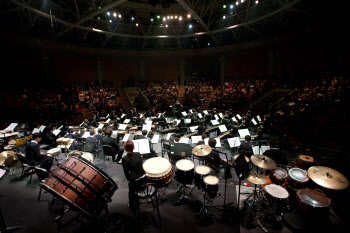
(211,129)
(167,130)
(224,134)
(190,134)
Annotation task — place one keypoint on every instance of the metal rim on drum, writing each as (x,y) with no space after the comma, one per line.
(313,198)
(298,174)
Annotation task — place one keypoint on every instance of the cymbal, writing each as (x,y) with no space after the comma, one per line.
(257,178)
(201,150)
(328,177)
(9,159)
(306,158)
(263,161)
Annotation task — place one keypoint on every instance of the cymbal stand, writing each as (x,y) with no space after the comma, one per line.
(205,215)
(183,195)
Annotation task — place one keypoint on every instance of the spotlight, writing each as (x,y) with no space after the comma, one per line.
(119,16)
(180,18)
(224,17)
(224,6)
(190,26)
(166,25)
(168,17)
(171,17)
(237,3)
(231,6)
(132,18)
(151,19)
(242,1)
(188,16)
(208,44)
(256,2)
(137,24)
(158,16)
(175,16)
(164,18)
(110,21)
(114,14)
(108,13)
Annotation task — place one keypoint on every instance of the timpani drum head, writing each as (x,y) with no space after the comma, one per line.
(88,156)
(211,180)
(185,165)
(156,167)
(202,170)
(298,174)
(277,191)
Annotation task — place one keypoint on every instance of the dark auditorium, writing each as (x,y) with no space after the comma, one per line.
(167,116)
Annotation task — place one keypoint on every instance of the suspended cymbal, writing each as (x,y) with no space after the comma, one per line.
(257,178)
(201,150)
(263,161)
(9,159)
(328,177)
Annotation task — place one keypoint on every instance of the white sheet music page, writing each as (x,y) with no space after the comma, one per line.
(60,127)
(136,145)
(184,140)
(239,116)
(147,127)
(243,132)
(254,122)
(216,117)
(184,113)
(155,139)
(86,134)
(221,116)
(56,132)
(35,130)
(107,121)
(126,137)
(206,141)
(126,121)
(115,132)
(261,151)
(214,122)
(177,121)
(258,117)
(143,145)
(100,126)
(42,127)
(200,115)
(195,139)
(123,115)
(168,136)
(205,112)
(218,142)
(193,128)
(222,128)
(122,126)
(188,121)
(191,111)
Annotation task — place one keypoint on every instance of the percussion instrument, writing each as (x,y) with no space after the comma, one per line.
(278,176)
(189,135)
(257,178)
(211,129)
(276,195)
(9,159)
(54,151)
(211,186)
(328,177)
(59,141)
(224,134)
(304,161)
(184,171)
(314,203)
(74,152)
(263,161)
(88,156)
(297,178)
(66,141)
(167,130)
(201,150)
(82,186)
(200,171)
(158,171)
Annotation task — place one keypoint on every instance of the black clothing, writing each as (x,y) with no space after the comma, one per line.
(213,160)
(50,139)
(86,126)
(114,145)
(99,137)
(246,147)
(36,158)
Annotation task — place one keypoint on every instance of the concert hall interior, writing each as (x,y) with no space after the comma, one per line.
(174,116)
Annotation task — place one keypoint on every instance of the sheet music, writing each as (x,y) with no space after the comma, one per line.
(86,134)
(122,126)
(188,121)
(184,140)
(115,132)
(35,130)
(234,142)
(184,113)
(214,122)
(190,111)
(239,116)
(167,120)
(158,115)
(126,137)
(177,121)
(205,112)
(256,150)
(220,114)
(147,127)
(107,116)
(60,127)
(218,143)
(168,136)
(100,126)
(155,139)
(126,121)
(243,133)
(195,139)
(123,115)
(222,128)
(193,128)
(142,146)
(254,122)
(2,172)
(11,127)
(216,117)
(200,115)
(259,119)
(148,119)
(42,127)
(56,132)
(107,121)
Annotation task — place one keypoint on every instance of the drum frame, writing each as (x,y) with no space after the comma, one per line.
(199,178)
(208,189)
(184,176)
(95,202)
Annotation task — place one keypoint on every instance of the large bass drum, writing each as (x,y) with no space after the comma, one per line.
(81,185)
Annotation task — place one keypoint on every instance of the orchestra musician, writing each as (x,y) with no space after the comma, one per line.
(85,125)
(110,141)
(34,155)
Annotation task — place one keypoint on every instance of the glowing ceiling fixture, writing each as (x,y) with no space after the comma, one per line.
(168,17)
(175,16)
(188,16)
(110,21)
(164,18)
(108,13)
(166,25)
(137,24)
(224,17)
(180,18)
(171,17)
(114,14)
(190,26)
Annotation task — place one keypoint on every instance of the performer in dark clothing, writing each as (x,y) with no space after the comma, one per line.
(113,125)
(246,146)
(50,138)
(213,158)
(110,141)
(134,173)
(35,157)
(85,125)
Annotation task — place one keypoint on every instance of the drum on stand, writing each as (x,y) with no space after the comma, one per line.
(314,204)
(88,156)
(184,171)
(81,185)
(278,176)
(158,171)
(200,171)
(304,161)
(277,196)
(54,151)
(211,186)
(297,178)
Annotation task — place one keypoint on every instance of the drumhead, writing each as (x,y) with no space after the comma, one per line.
(156,167)
(54,151)
(202,169)
(88,156)
(185,165)
(298,174)
(280,172)
(313,197)
(277,191)
(211,180)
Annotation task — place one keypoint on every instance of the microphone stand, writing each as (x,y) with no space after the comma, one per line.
(227,168)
